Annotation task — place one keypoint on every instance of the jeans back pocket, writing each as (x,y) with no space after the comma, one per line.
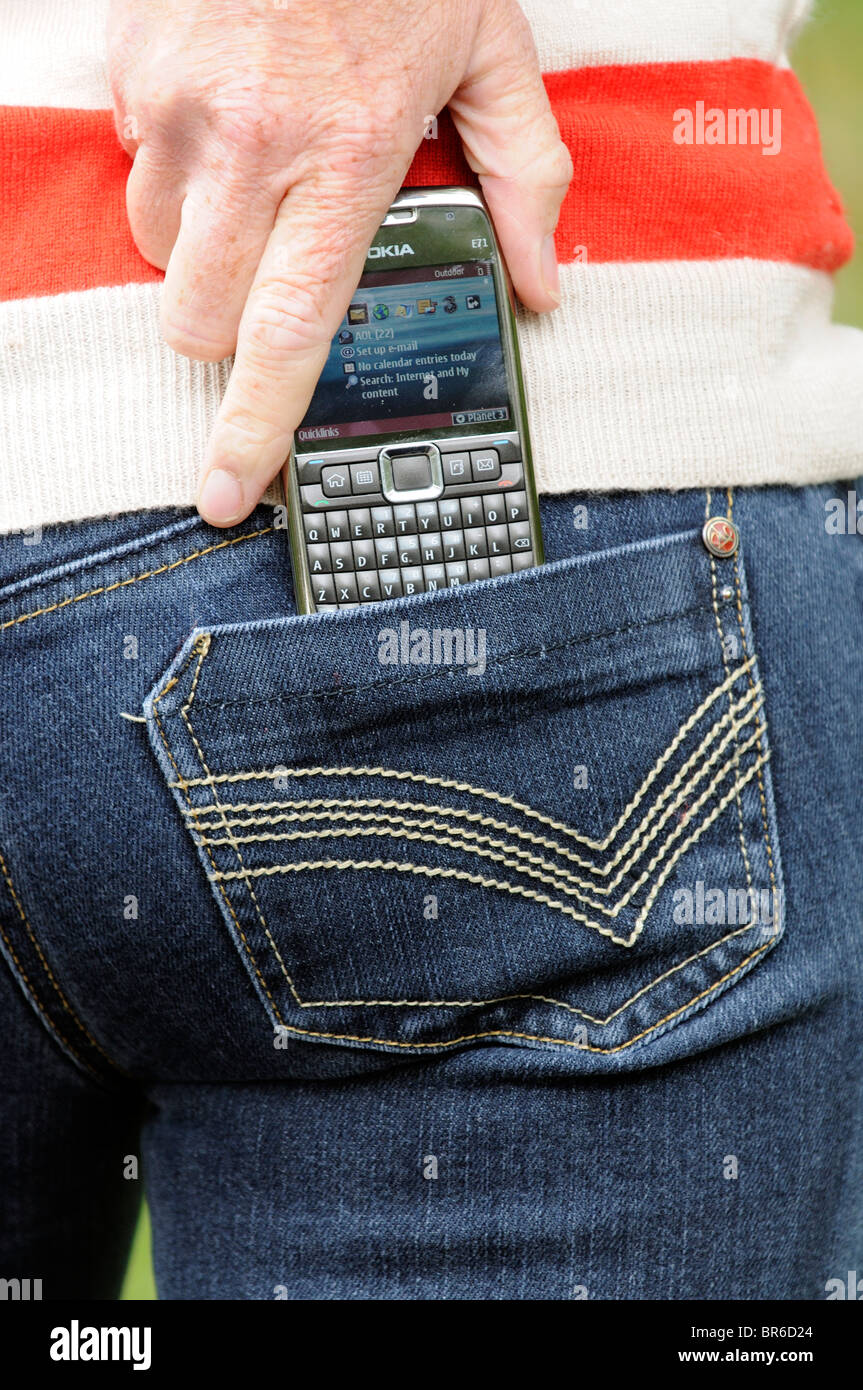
(536,810)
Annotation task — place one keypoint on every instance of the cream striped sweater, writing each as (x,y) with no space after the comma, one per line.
(693,346)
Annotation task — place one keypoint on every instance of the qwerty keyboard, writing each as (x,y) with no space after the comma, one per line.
(411,519)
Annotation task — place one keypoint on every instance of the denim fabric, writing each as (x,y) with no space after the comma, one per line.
(496,943)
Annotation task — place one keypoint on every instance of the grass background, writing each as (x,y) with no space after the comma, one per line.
(828,59)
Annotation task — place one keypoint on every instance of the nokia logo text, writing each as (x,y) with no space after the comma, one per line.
(376,252)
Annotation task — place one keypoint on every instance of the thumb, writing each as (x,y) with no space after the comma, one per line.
(511,140)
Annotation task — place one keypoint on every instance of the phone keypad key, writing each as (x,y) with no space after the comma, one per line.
(409,551)
(427,517)
(319,559)
(384,525)
(336,480)
(475,543)
(431,548)
(519,536)
(494,509)
(324,590)
(361,525)
(485,465)
(365,477)
(343,557)
(364,555)
(449,514)
(386,552)
(412,580)
(456,468)
(368,588)
(435,578)
(405,519)
(498,540)
(346,589)
(472,513)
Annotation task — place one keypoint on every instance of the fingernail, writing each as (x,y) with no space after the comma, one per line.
(220,499)
(549,268)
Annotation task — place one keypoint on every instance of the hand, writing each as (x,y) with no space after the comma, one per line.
(269,138)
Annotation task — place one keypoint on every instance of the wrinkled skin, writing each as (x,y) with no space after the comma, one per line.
(269,137)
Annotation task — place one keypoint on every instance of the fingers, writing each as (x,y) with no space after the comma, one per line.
(154,199)
(218,246)
(511,139)
(308,272)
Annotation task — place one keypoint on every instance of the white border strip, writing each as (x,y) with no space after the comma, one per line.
(52,51)
(659,375)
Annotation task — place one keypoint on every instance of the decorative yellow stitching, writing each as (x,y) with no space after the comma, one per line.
(203,645)
(46,967)
(400,775)
(49,1021)
(764,818)
(469,1037)
(697,758)
(180,783)
(746,864)
(606,889)
(440,871)
(121,583)
(532,1037)
(555,873)
(540,998)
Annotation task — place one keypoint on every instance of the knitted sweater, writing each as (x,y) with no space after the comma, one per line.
(693,345)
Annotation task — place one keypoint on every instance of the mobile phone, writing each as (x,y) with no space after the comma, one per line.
(411,470)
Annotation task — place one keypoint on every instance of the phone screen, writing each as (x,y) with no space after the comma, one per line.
(418,349)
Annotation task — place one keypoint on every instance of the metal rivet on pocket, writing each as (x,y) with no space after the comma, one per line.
(721,537)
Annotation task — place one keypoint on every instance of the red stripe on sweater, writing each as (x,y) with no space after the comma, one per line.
(637,194)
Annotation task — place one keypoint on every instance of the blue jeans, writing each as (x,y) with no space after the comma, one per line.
(494,943)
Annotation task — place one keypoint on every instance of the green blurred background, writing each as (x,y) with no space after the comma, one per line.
(828,60)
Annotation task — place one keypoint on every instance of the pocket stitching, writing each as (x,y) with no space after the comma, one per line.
(203,644)
(201,647)
(499,797)
(515,889)
(517,654)
(763,796)
(133,579)
(746,864)
(461,813)
(637,843)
